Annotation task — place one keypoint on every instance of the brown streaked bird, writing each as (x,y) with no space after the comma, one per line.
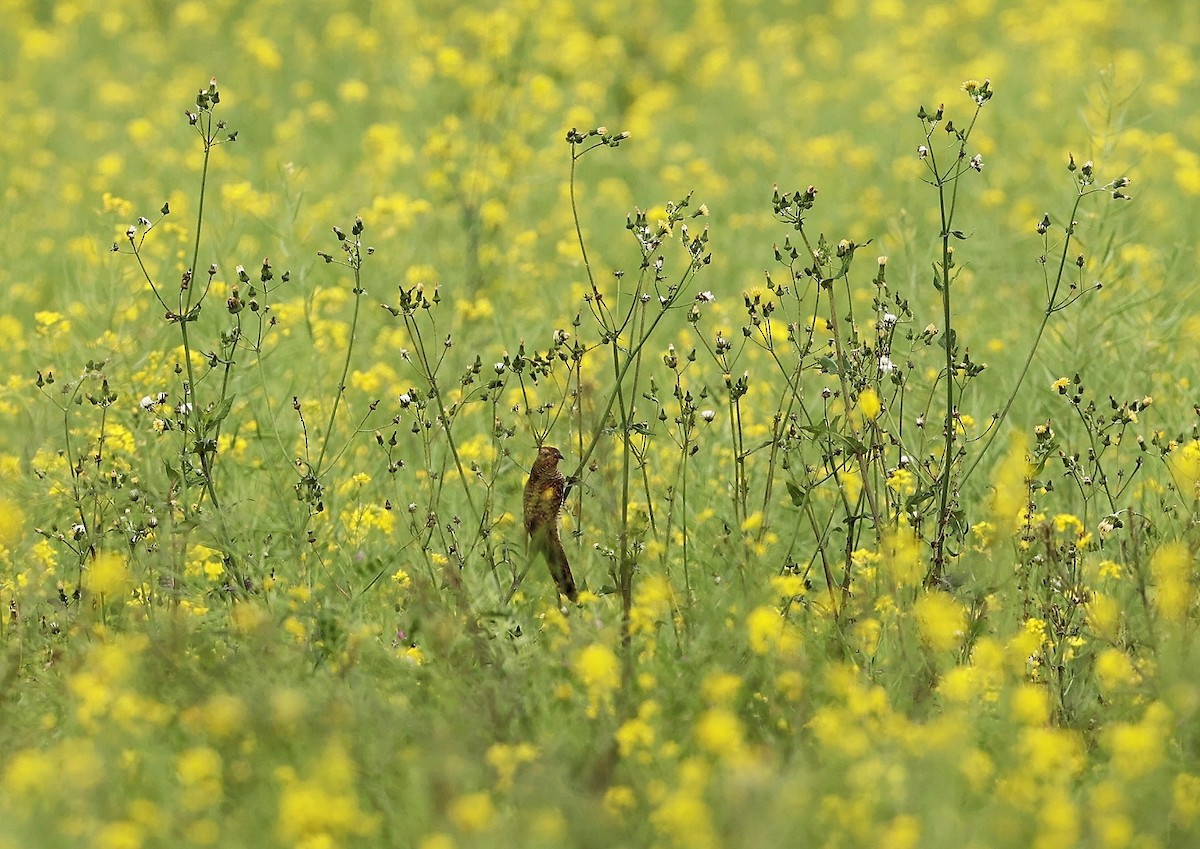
(544,494)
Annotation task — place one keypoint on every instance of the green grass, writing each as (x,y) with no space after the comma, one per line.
(264,570)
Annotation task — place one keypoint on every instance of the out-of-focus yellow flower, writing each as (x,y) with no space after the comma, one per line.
(719,732)
(1170,567)
(109,575)
(769,631)
(1010,498)
(200,774)
(599,670)
(473,812)
(1185,799)
(506,758)
(652,605)
(1138,748)
(1030,705)
(941,621)
(1114,671)
(323,809)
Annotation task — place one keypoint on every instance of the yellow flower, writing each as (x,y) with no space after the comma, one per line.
(788,586)
(769,631)
(1103,614)
(903,832)
(1135,749)
(12,523)
(224,715)
(869,404)
(618,799)
(652,605)
(941,620)
(473,812)
(1010,496)
(323,809)
(28,772)
(719,733)
(634,735)
(600,671)
(1170,566)
(1184,464)
(684,818)
(109,575)
(901,561)
(720,688)
(438,840)
(1185,799)
(1114,671)
(505,759)
(1031,705)
(199,771)
(752,522)
(353,91)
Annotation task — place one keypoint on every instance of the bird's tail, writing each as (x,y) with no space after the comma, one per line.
(560,569)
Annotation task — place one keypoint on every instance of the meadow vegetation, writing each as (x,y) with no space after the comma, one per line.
(867,332)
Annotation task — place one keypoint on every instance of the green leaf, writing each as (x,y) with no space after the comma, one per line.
(219,414)
(799,495)
(828,366)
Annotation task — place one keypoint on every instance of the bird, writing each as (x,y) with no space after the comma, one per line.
(544,494)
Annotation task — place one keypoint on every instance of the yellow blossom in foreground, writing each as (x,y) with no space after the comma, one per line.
(199,771)
(683,816)
(1114,671)
(1185,799)
(652,604)
(901,561)
(1170,566)
(634,735)
(1010,496)
(109,575)
(28,773)
(323,809)
(1184,464)
(473,812)
(788,586)
(1138,748)
(12,523)
(719,732)
(437,841)
(505,759)
(1104,614)
(720,688)
(752,522)
(769,631)
(1031,705)
(599,670)
(940,619)
(618,799)
(903,832)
